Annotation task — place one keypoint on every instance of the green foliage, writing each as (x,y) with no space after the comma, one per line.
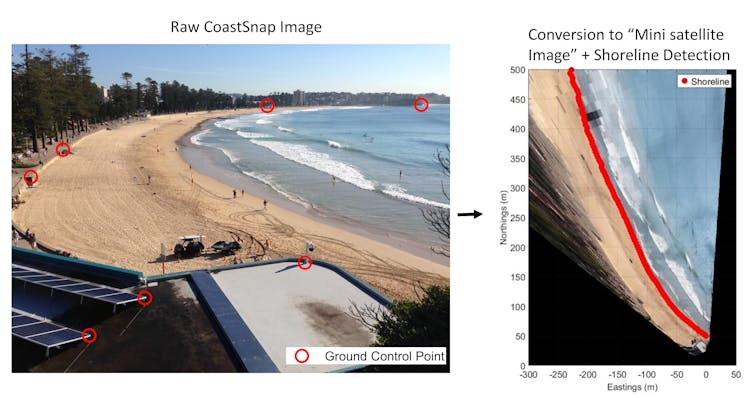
(52,94)
(422,323)
(49,93)
(415,324)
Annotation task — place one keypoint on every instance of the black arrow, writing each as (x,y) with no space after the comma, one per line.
(475,214)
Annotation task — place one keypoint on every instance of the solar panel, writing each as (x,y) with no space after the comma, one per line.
(71,285)
(100,292)
(41,331)
(57,338)
(78,287)
(60,283)
(21,320)
(35,329)
(23,273)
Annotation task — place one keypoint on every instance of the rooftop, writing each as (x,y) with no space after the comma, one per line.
(232,318)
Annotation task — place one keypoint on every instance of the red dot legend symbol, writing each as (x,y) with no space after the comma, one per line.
(421,100)
(67,149)
(31,181)
(308,262)
(301,355)
(89,335)
(684,80)
(144,298)
(265,101)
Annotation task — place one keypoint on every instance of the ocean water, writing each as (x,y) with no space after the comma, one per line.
(662,147)
(369,166)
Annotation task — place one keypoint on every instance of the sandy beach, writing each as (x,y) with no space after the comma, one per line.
(555,113)
(124,192)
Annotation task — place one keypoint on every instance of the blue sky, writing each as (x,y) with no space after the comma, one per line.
(260,69)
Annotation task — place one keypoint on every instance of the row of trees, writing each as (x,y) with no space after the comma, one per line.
(55,96)
(51,94)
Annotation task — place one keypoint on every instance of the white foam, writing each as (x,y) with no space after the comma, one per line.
(633,156)
(397,191)
(659,208)
(287,130)
(250,134)
(334,144)
(324,109)
(263,121)
(688,288)
(659,241)
(230,124)
(319,161)
(197,139)
(270,181)
(233,158)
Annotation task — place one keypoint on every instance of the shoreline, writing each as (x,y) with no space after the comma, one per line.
(555,114)
(130,191)
(258,188)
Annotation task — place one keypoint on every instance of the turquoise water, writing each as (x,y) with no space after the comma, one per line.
(662,146)
(373,166)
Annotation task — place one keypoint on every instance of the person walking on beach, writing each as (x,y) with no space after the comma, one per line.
(16,237)
(149,180)
(265,204)
(242,192)
(234,194)
(33,241)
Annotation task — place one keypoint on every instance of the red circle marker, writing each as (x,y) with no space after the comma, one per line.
(416,104)
(89,331)
(67,152)
(33,181)
(300,350)
(142,302)
(684,80)
(309,261)
(272,105)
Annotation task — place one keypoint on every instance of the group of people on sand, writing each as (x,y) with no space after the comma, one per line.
(28,235)
(235,195)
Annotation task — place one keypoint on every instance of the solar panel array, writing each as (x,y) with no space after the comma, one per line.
(74,286)
(41,331)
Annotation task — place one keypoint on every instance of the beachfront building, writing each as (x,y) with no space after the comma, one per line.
(299,98)
(104,94)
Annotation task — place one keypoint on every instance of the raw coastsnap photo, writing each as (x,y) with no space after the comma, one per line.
(230,208)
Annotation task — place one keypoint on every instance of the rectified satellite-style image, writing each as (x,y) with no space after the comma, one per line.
(213,208)
(632,179)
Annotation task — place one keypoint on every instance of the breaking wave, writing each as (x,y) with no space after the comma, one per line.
(319,161)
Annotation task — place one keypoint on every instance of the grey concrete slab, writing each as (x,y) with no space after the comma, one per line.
(286,306)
